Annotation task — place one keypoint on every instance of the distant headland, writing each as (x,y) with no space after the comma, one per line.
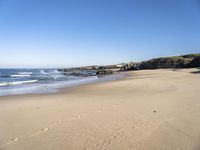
(182,61)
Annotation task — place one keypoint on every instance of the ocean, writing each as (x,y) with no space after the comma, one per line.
(36,81)
(24,81)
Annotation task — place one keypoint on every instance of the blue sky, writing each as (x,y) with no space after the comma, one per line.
(65,33)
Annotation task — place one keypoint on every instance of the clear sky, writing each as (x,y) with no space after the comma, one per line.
(64,33)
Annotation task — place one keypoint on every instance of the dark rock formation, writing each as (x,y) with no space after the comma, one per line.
(166,62)
(130,66)
(104,72)
(184,61)
(195,62)
(77,72)
(96,68)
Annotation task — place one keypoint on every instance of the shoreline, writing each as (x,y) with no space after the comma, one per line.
(121,76)
(105,78)
(148,110)
(124,75)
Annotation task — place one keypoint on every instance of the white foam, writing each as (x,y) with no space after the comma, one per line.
(55,71)
(20,75)
(25,73)
(17,82)
(43,72)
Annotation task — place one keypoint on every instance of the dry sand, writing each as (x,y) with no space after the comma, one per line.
(149,110)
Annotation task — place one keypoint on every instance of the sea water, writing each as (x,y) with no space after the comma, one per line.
(23,81)
(32,81)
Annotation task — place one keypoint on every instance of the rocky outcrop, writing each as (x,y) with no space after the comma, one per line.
(104,72)
(130,66)
(77,72)
(96,68)
(195,62)
(168,62)
(184,61)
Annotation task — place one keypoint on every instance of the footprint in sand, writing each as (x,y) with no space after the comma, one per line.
(154,111)
(12,141)
(44,130)
(40,132)
(74,118)
(15,139)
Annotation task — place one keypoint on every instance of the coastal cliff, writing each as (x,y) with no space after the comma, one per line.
(183,61)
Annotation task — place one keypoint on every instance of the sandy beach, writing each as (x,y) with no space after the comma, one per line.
(147,110)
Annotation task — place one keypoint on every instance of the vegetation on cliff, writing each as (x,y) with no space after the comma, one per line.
(183,61)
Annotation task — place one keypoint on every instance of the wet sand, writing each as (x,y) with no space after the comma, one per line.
(148,110)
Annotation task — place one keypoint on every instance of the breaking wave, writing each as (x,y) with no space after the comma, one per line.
(17,83)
